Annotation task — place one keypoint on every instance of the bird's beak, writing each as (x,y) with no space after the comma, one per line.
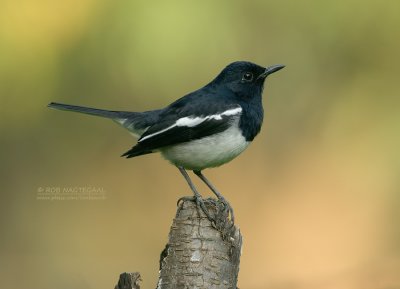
(271,69)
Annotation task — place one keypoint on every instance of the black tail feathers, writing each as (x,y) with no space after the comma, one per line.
(92,111)
(136,122)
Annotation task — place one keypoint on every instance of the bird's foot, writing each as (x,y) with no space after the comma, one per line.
(200,205)
(227,208)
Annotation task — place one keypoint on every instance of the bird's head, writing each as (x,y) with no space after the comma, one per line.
(244,78)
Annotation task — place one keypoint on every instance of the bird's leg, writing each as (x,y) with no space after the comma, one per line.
(197,196)
(218,194)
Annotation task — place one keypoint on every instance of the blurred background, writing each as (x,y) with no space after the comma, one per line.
(316,195)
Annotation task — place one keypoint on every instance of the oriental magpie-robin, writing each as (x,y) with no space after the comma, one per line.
(204,129)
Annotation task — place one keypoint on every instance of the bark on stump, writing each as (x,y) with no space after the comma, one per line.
(200,254)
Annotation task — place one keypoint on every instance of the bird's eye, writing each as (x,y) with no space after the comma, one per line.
(248,76)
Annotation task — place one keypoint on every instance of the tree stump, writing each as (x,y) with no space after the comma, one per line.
(200,254)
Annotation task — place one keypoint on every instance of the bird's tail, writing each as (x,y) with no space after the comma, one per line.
(92,111)
(135,122)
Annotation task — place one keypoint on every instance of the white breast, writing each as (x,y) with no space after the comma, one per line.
(211,151)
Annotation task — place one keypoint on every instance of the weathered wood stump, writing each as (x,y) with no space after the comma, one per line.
(200,254)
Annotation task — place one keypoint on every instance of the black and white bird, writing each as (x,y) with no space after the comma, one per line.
(204,129)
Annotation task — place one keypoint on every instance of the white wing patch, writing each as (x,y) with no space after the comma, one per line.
(189,121)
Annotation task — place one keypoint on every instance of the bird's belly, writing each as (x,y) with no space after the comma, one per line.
(208,152)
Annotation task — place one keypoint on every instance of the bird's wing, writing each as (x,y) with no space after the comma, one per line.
(183,129)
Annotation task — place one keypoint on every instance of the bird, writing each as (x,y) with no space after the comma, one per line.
(203,129)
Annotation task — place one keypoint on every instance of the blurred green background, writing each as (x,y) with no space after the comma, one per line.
(316,195)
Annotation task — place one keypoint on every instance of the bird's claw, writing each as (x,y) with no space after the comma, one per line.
(185,198)
(200,205)
(228,210)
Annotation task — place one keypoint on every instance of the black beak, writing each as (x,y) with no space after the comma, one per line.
(271,69)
